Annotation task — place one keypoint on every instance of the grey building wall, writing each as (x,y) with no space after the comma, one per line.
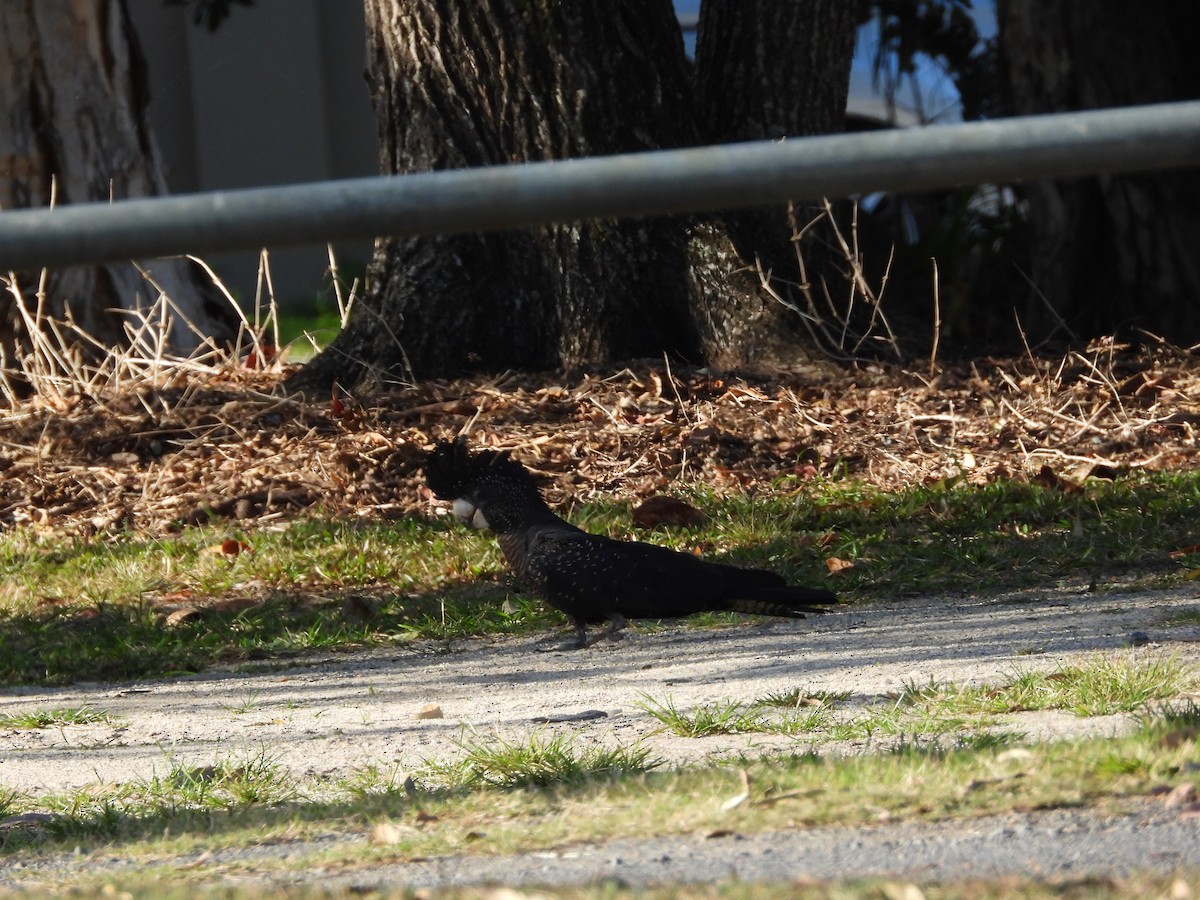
(276,95)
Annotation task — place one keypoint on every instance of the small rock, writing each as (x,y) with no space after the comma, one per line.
(1139,639)
(386,833)
(555,718)
(429,711)
(1182,795)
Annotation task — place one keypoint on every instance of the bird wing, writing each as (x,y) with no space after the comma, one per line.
(591,577)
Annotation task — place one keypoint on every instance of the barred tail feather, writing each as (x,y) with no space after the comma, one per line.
(788,602)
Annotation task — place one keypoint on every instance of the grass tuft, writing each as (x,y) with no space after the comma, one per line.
(49,718)
(1101,686)
(537,762)
(726,717)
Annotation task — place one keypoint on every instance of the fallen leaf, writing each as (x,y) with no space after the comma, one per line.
(183,616)
(738,799)
(667,511)
(835,565)
(894,891)
(357,608)
(387,833)
(428,711)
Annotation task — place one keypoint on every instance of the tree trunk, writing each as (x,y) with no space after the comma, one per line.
(73,96)
(766,70)
(459,83)
(1115,252)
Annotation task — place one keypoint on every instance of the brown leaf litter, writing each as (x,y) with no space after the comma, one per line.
(171,458)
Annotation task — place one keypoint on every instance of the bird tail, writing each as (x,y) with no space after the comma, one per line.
(786,601)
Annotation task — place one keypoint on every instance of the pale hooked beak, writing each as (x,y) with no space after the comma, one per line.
(467,512)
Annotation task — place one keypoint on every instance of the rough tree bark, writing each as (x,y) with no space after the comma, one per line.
(459,83)
(764,71)
(1114,252)
(73,99)
(767,70)
(489,82)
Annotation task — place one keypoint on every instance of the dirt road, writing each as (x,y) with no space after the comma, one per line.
(335,714)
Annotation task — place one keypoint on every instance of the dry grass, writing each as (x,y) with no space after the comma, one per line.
(142,439)
(192,443)
(835,324)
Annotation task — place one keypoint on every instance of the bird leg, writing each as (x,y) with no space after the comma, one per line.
(577,643)
(615,623)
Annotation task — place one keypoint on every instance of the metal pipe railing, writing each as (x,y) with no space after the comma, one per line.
(667,181)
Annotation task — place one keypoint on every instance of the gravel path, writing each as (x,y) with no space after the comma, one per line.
(1053,845)
(1049,845)
(331,716)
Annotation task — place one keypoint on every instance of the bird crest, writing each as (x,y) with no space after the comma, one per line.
(453,471)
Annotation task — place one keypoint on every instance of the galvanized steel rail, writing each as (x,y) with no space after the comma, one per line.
(668,181)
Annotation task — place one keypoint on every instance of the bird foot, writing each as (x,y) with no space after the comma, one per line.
(611,633)
(559,648)
(604,635)
(550,644)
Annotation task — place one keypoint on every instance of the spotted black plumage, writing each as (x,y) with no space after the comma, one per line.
(593,578)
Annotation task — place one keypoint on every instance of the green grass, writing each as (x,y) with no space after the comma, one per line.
(50,718)
(1101,685)
(799,698)
(726,717)
(549,792)
(72,609)
(536,762)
